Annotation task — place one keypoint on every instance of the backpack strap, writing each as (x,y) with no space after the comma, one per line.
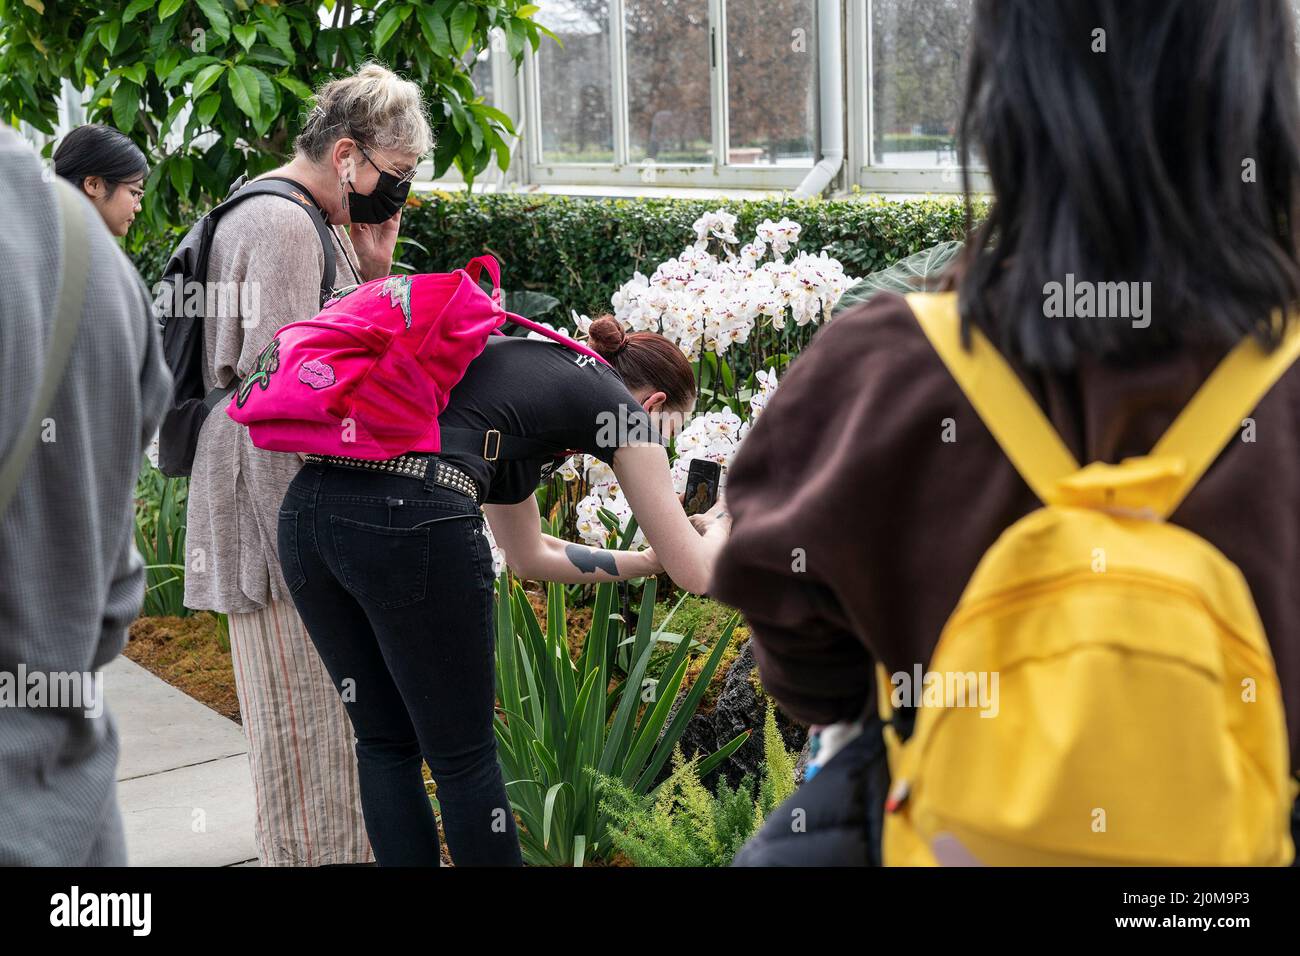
(1216,412)
(67,320)
(476,267)
(558,337)
(1000,399)
(1196,438)
(295,192)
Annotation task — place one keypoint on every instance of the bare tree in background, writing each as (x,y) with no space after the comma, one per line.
(920,48)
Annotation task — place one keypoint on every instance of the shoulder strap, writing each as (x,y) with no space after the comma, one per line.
(294,192)
(1196,438)
(67,320)
(999,397)
(479,264)
(558,337)
(1216,412)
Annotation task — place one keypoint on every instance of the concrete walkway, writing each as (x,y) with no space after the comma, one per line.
(183,781)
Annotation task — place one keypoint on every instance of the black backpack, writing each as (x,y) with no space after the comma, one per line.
(182,334)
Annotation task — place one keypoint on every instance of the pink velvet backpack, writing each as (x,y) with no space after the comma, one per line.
(368,376)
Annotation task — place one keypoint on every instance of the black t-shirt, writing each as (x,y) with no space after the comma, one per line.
(546,392)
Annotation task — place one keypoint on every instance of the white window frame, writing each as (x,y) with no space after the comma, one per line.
(866,175)
(622,171)
(520,96)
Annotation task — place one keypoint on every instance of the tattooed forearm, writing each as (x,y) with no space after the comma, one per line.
(589,560)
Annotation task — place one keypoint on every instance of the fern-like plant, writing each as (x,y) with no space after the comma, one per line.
(681,823)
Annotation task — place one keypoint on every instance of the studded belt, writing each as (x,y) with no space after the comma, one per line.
(408,466)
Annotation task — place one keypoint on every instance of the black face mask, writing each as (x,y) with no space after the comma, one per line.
(383,202)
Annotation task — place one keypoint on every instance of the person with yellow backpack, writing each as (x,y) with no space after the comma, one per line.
(1045,551)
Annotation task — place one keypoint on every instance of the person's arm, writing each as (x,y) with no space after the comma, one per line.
(543,557)
(687,555)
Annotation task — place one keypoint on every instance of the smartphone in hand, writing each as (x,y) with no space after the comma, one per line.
(702,486)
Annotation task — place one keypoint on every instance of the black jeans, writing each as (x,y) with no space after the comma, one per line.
(392,577)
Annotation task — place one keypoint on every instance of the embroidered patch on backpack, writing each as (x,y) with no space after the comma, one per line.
(268,361)
(338,295)
(316,373)
(398,290)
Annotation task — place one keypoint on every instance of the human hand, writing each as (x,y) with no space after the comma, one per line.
(717,517)
(374,244)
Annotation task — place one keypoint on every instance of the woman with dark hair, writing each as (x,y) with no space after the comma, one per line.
(109,168)
(391,571)
(1150,147)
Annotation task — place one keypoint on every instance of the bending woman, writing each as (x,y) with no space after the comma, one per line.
(392,574)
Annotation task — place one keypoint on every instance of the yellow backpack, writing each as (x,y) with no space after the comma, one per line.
(1137,717)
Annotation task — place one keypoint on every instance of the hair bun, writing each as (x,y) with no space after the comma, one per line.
(606,335)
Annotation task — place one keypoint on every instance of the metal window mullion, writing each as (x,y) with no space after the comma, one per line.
(618,90)
(858,41)
(870,81)
(718,57)
(532,107)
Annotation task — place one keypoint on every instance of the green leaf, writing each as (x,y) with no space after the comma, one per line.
(246,34)
(169,7)
(527,10)
(516,37)
(185,68)
(102,87)
(916,273)
(137,72)
(134,8)
(163,66)
(216,14)
(108,34)
(463,21)
(388,25)
(207,107)
(276,30)
(434,28)
(493,113)
(270,104)
(126,102)
(245,89)
(262,53)
(181,172)
(551,796)
(297,87)
(538,26)
(207,76)
(177,104)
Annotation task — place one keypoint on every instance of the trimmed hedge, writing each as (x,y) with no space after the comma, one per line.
(581,250)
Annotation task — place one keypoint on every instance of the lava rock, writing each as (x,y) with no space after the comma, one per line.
(741,706)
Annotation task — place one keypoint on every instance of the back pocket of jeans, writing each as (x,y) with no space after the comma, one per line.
(287,546)
(388,567)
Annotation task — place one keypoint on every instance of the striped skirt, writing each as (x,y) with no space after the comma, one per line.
(300,744)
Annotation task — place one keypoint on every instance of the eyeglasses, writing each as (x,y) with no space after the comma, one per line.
(137,193)
(403,177)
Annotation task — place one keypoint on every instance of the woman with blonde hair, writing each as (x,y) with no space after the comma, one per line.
(353,161)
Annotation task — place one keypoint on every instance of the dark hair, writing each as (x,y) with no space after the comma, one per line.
(645,359)
(1132,165)
(98,150)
